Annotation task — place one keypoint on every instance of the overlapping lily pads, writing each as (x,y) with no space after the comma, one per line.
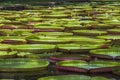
(35,31)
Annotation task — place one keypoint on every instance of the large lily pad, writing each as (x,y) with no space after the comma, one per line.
(115,39)
(11,37)
(33,48)
(5,32)
(74,26)
(12,17)
(71,57)
(49,41)
(57,16)
(111,37)
(114,31)
(55,34)
(4,54)
(20,32)
(66,77)
(21,65)
(103,66)
(77,47)
(82,66)
(43,55)
(82,39)
(101,26)
(89,32)
(113,22)
(99,78)
(5,47)
(49,28)
(14,41)
(73,77)
(106,53)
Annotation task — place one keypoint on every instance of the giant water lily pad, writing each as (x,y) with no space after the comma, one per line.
(82,39)
(5,13)
(55,33)
(89,32)
(113,22)
(71,57)
(11,37)
(57,16)
(13,25)
(4,54)
(73,77)
(14,41)
(77,47)
(73,63)
(22,65)
(20,32)
(33,48)
(103,66)
(12,17)
(23,54)
(43,55)
(111,37)
(104,63)
(106,53)
(114,38)
(41,10)
(5,32)
(99,78)
(49,41)
(59,9)
(101,26)
(5,47)
(45,24)
(74,26)
(86,22)
(49,28)
(82,66)
(30,19)
(66,77)
(114,31)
